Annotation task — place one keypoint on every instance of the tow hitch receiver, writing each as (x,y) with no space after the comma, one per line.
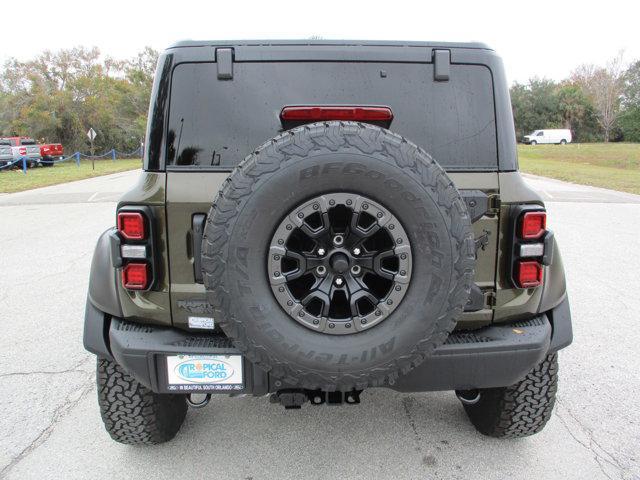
(295,398)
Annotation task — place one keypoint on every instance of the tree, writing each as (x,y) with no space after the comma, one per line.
(535,106)
(604,86)
(631,89)
(56,97)
(630,117)
(577,112)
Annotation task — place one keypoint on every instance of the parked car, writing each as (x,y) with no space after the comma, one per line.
(25,147)
(6,154)
(51,152)
(559,136)
(318,218)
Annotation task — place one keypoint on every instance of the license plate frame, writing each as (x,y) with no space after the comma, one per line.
(204,372)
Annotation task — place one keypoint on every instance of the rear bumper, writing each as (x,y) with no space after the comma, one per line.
(495,356)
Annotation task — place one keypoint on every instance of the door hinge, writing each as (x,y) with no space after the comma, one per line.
(494,204)
(224,59)
(489,299)
(441,65)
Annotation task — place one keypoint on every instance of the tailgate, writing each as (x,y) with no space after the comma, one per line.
(213,124)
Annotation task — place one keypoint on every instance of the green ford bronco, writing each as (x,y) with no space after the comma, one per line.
(315,218)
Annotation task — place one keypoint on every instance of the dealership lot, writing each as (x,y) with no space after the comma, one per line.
(51,424)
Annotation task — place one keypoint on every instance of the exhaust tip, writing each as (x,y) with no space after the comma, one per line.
(468,397)
(198,400)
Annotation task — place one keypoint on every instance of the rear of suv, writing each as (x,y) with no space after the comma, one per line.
(318,218)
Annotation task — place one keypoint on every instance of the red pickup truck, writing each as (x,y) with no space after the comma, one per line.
(51,151)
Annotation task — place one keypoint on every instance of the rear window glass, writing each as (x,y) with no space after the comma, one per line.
(27,142)
(216,123)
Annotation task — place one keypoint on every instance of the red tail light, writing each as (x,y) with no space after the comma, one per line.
(318,114)
(528,274)
(135,276)
(131,225)
(532,225)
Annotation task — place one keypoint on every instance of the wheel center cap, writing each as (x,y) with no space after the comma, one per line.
(339,262)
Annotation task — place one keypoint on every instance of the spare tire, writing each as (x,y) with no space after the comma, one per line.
(338,256)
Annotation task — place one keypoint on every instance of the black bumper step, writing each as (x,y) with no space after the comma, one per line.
(493,356)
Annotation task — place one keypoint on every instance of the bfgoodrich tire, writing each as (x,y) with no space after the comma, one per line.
(133,414)
(519,410)
(316,161)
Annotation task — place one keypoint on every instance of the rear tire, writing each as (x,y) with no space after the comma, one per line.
(519,410)
(533,142)
(563,142)
(133,414)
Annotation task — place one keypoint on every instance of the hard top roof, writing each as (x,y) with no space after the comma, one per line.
(303,43)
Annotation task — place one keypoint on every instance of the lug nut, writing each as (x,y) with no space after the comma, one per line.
(338,240)
(339,281)
(321,270)
(357,251)
(321,252)
(355,270)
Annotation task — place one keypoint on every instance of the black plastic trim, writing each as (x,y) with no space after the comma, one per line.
(140,349)
(549,243)
(442,65)
(493,356)
(114,245)
(560,318)
(197,226)
(477,203)
(476,299)
(96,328)
(224,59)
(103,293)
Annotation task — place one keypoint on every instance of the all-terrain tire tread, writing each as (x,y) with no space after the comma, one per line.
(320,138)
(521,409)
(133,414)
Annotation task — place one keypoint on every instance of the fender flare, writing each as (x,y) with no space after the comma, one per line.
(103,290)
(103,301)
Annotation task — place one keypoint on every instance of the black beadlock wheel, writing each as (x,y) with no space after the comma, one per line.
(340,263)
(337,256)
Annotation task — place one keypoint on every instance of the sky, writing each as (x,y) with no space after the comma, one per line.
(535,38)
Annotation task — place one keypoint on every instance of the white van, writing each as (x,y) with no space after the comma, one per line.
(548,136)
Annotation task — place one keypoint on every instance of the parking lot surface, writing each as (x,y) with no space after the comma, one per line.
(51,426)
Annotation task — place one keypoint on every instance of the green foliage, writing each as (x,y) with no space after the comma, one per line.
(57,97)
(577,113)
(535,106)
(630,124)
(631,93)
(545,104)
(595,103)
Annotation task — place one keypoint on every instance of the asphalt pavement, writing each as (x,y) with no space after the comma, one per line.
(50,424)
